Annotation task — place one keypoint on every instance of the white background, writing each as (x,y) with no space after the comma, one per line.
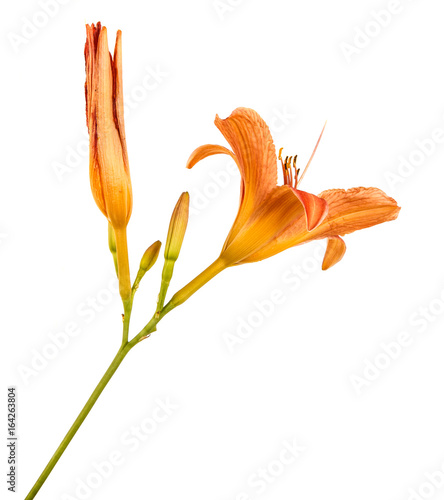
(296,375)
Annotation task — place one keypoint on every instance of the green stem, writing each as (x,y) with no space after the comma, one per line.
(123,351)
(194,285)
(123,264)
(126,346)
(167,273)
(127,308)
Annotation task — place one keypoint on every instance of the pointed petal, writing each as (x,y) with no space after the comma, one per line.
(207,150)
(315,208)
(104,82)
(118,95)
(354,209)
(334,252)
(252,144)
(279,209)
(119,113)
(92,35)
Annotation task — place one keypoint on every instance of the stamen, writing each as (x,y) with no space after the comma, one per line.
(296,171)
(283,166)
(312,154)
(290,171)
(286,174)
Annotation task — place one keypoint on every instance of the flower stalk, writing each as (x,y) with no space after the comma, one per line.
(271,217)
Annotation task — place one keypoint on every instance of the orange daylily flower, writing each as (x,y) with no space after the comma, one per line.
(273,218)
(108,158)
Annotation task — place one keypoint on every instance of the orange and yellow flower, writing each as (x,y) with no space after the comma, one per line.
(108,158)
(271,217)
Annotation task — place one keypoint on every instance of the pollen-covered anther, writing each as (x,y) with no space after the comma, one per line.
(288,166)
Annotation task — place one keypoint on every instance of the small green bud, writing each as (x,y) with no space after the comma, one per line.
(150,256)
(147,262)
(112,245)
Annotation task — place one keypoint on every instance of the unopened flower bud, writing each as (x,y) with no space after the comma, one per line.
(147,262)
(108,157)
(178,226)
(176,234)
(150,256)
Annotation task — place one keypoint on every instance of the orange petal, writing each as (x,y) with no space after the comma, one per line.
(316,208)
(92,35)
(207,150)
(104,83)
(252,144)
(348,211)
(334,252)
(118,94)
(279,209)
(119,111)
(354,209)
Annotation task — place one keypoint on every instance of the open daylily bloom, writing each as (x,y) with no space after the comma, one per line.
(273,218)
(108,157)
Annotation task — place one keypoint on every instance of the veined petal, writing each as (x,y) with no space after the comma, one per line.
(119,113)
(279,209)
(207,150)
(353,209)
(315,208)
(96,183)
(92,35)
(118,95)
(253,147)
(104,83)
(334,252)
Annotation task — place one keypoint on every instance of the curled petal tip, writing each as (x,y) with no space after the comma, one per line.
(334,252)
(204,151)
(316,209)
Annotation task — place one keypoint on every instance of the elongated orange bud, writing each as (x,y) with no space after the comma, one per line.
(108,158)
